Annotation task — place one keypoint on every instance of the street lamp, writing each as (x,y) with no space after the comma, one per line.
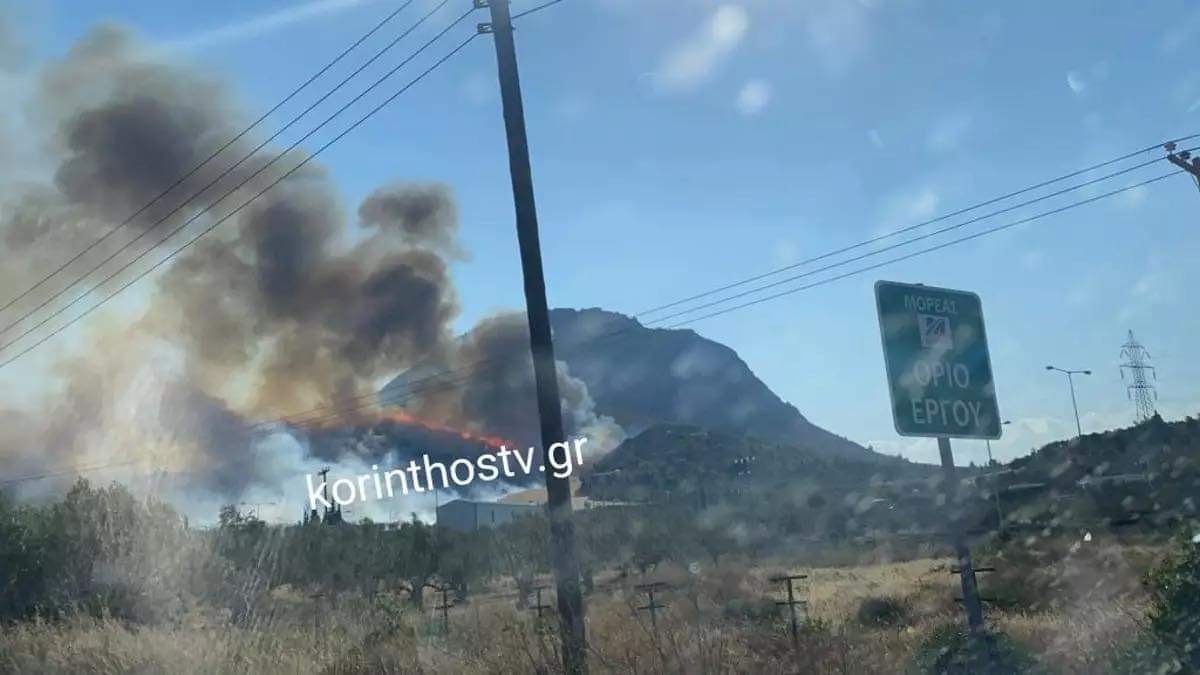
(1071,381)
(996,484)
(989,444)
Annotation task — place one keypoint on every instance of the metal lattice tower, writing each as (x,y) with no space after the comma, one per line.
(1140,391)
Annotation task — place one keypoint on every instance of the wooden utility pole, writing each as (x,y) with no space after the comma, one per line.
(652,605)
(538,606)
(444,608)
(791,604)
(1184,160)
(558,490)
(970,591)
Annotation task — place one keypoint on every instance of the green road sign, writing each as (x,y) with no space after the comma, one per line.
(938,368)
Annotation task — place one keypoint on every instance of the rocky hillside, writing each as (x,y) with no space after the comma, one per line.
(646,376)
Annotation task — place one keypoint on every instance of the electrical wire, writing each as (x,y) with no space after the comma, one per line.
(910,228)
(179,181)
(925,250)
(472,370)
(535,9)
(224,174)
(414,387)
(236,210)
(906,242)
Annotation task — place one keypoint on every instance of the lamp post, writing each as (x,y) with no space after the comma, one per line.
(1071,382)
(996,484)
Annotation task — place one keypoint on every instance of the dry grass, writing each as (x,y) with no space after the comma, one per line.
(697,633)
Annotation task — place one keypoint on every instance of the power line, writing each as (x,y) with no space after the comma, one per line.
(337,59)
(923,251)
(534,9)
(906,242)
(236,210)
(470,370)
(623,331)
(993,230)
(224,174)
(910,228)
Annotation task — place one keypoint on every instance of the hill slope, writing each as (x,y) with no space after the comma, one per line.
(647,376)
(687,463)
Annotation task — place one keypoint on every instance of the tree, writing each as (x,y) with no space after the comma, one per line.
(417,555)
(523,546)
(1174,588)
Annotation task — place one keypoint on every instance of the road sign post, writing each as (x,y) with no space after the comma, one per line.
(940,381)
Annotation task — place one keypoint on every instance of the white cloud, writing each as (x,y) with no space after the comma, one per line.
(948,133)
(1079,81)
(875,138)
(904,209)
(786,252)
(754,97)
(262,24)
(1135,197)
(1075,82)
(1155,288)
(696,59)
(1032,258)
(837,30)
(1181,33)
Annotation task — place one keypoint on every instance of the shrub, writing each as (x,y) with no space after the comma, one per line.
(751,610)
(951,649)
(1174,588)
(883,612)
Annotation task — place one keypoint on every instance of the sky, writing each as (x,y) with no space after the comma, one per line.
(681,145)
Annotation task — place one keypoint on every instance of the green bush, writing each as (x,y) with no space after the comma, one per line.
(1146,654)
(951,649)
(883,612)
(1174,588)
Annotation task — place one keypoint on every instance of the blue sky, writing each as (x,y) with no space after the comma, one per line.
(680,145)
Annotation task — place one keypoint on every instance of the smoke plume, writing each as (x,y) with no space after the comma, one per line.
(286,307)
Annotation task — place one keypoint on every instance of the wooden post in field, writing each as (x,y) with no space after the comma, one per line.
(652,605)
(791,603)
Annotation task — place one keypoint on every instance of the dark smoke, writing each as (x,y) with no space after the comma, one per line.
(284,308)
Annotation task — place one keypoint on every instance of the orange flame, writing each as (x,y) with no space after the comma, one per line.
(404,417)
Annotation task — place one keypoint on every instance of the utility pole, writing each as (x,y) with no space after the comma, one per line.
(538,606)
(1141,392)
(1071,381)
(996,482)
(558,490)
(652,605)
(444,607)
(791,604)
(1184,160)
(970,589)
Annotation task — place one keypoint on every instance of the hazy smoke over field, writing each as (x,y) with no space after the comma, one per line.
(286,307)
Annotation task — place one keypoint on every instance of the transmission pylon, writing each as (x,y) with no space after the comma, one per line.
(1139,390)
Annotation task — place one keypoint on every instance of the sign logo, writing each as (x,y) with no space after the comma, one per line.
(938,368)
(935,331)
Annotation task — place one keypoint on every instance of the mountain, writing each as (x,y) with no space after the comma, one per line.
(643,377)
